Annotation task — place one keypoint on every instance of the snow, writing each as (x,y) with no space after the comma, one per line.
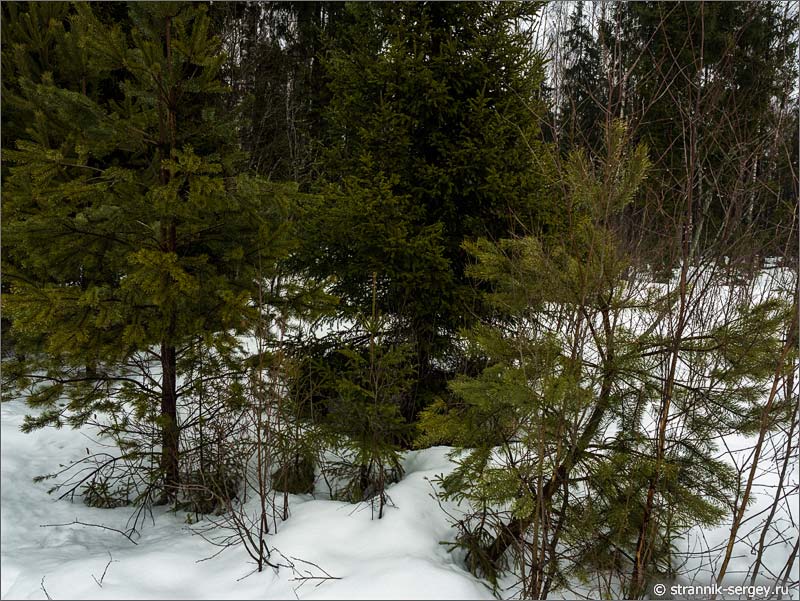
(399,556)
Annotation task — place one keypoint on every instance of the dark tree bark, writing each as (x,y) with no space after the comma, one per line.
(169,426)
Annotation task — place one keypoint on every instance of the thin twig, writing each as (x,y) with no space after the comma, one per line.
(78,523)
(41,585)
(110,561)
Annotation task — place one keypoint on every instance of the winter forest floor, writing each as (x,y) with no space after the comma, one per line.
(399,556)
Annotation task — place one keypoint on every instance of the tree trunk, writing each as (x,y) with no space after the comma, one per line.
(169,426)
(766,412)
(517,526)
(170,450)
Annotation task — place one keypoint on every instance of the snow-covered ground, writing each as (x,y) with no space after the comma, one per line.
(396,557)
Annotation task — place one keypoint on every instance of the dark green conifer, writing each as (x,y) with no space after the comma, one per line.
(129,227)
(430,138)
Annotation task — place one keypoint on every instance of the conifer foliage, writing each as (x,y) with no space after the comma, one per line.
(581,445)
(584,311)
(130,231)
(426,141)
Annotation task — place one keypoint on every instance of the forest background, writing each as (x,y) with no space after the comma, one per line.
(266,249)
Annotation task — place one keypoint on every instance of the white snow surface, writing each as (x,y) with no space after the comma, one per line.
(397,557)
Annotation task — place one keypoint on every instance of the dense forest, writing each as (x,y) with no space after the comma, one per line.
(266,250)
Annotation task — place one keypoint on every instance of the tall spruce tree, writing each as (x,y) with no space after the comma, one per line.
(430,138)
(129,227)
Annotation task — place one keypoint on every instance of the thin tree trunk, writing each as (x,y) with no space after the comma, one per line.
(553,545)
(765,423)
(169,426)
(787,568)
(517,526)
(643,543)
(170,447)
(790,456)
